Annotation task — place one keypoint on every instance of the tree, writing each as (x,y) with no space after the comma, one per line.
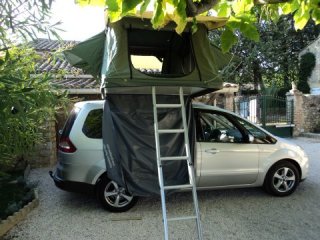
(308,62)
(241,15)
(26,99)
(23,19)
(273,61)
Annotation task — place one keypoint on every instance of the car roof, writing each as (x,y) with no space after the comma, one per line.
(93,103)
(203,106)
(196,105)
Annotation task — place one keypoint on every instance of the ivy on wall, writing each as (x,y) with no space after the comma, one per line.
(307,64)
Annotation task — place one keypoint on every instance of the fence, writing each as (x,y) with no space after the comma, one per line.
(264,109)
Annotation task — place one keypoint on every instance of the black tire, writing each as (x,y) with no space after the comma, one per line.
(282,179)
(113,197)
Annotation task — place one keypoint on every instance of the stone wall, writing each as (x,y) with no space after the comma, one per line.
(306,112)
(45,153)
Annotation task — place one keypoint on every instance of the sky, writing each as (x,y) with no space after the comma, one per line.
(78,22)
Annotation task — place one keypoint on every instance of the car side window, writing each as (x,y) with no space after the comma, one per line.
(92,126)
(260,136)
(215,127)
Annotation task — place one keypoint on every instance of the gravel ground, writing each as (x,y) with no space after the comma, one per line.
(226,214)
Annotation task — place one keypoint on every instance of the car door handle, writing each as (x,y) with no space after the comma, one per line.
(212,151)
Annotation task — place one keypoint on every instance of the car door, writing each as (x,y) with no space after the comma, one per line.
(227,156)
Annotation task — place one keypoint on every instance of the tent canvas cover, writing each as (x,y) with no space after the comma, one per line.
(187,60)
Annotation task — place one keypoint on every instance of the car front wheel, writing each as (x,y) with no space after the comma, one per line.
(114,197)
(282,179)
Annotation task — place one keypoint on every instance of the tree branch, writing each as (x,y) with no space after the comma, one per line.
(263,2)
(196,8)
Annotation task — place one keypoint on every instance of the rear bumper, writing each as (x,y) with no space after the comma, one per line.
(70,186)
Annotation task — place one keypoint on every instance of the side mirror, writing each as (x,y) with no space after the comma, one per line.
(251,138)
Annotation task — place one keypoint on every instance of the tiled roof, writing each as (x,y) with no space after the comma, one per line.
(47,45)
(77,82)
(53,61)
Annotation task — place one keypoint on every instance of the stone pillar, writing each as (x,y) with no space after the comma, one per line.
(298,113)
(229,101)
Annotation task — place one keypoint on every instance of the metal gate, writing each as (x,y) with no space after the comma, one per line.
(273,113)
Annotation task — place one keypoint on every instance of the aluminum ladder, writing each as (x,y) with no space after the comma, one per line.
(187,157)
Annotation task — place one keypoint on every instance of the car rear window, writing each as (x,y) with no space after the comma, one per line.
(70,121)
(92,126)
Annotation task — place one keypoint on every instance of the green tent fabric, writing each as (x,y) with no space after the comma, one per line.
(107,55)
(88,55)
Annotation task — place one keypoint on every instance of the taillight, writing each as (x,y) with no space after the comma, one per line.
(65,145)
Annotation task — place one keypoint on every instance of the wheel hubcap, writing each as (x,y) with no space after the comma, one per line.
(116,196)
(284,179)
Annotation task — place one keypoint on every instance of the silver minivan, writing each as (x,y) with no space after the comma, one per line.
(222,159)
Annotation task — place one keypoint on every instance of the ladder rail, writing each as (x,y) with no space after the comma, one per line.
(160,173)
(186,157)
(192,179)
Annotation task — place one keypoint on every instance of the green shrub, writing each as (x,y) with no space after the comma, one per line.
(27,100)
(15,194)
(307,64)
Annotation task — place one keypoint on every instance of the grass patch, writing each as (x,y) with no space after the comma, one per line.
(15,194)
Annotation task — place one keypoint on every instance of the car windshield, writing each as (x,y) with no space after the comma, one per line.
(259,135)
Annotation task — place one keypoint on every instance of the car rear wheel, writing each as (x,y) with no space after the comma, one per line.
(282,179)
(114,197)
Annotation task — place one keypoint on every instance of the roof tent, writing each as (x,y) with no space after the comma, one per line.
(130,53)
(183,60)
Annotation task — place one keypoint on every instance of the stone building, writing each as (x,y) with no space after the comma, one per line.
(314,80)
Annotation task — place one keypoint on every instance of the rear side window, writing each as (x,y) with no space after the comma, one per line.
(70,121)
(92,126)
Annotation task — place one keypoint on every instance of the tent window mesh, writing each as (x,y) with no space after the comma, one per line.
(161,53)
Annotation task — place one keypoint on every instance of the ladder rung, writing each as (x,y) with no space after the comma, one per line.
(173,158)
(168,105)
(171,130)
(182,218)
(184,186)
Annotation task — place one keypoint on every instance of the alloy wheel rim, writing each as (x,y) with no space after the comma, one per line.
(284,179)
(116,196)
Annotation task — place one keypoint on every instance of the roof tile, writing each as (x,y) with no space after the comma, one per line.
(73,78)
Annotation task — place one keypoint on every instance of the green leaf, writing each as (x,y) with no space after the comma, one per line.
(144,6)
(100,3)
(290,7)
(128,5)
(242,6)
(249,31)
(158,17)
(180,16)
(113,5)
(301,17)
(223,9)
(234,23)
(316,15)
(114,9)
(228,39)
(26,90)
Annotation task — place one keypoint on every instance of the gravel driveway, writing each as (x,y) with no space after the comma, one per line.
(226,214)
